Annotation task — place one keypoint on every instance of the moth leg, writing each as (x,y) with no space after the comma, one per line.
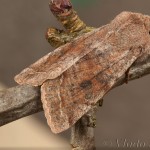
(57,37)
(100,102)
(127,75)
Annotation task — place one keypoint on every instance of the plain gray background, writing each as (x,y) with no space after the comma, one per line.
(125,113)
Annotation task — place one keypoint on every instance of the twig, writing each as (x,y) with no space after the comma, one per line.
(64,12)
(82,133)
(18,102)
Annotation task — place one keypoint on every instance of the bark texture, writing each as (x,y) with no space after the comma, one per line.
(18,102)
(82,133)
(64,12)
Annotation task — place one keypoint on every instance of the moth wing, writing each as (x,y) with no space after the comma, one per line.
(55,63)
(68,97)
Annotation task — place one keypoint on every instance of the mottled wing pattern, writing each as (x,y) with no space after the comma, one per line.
(55,63)
(67,98)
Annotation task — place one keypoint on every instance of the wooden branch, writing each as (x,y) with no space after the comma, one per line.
(64,12)
(21,101)
(18,102)
(82,133)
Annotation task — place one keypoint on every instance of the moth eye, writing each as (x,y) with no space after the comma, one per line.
(149,32)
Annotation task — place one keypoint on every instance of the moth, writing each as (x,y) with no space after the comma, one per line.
(75,76)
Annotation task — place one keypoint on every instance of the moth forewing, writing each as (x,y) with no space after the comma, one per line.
(55,63)
(83,84)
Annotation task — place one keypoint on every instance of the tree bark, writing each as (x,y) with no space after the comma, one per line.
(18,102)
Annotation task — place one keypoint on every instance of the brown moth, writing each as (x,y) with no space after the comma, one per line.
(75,76)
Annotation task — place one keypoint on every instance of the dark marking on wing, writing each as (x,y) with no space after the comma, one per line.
(87,84)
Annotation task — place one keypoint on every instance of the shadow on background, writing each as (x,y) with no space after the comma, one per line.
(125,113)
